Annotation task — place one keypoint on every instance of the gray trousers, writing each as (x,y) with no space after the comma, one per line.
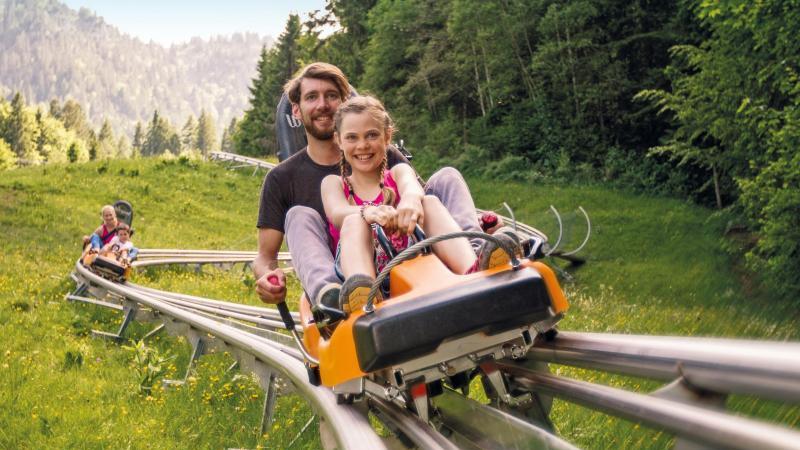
(307,232)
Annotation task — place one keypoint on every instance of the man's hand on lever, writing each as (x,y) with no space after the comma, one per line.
(271,287)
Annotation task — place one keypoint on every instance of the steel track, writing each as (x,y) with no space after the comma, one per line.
(714,366)
(253,330)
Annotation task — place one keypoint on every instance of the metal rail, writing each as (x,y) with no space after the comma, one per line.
(244,161)
(766,369)
(699,424)
(701,368)
(154,257)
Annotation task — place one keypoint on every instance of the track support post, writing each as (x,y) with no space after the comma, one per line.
(130,309)
(270,395)
(198,349)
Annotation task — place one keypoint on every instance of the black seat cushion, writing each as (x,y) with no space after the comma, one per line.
(400,332)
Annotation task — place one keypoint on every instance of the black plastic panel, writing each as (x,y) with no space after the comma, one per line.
(408,330)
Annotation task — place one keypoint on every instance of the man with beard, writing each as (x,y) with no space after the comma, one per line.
(290,198)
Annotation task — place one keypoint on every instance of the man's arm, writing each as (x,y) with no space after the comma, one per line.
(265,266)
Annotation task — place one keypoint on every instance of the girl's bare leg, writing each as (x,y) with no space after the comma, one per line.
(356,254)
(457,254)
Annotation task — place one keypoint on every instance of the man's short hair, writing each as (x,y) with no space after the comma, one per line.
(319,71)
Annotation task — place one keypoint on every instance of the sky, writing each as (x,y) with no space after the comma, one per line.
(175,21)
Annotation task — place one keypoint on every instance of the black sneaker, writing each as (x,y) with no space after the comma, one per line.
(355,292)
(329,295)
(492,255)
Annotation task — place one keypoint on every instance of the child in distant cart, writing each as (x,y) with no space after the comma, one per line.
(120,246)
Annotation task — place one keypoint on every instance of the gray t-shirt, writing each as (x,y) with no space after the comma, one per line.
(297,181)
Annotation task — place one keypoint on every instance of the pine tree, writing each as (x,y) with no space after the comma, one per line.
(138,139)
(20,132)
(55,108)
(52,139)
(206,134)
(93,147)
(156,140)
(256,132)
(161,137)
(255,125)
(189,134)
(41,136)
(73,118)
(72,152)
(124,149)
(227,137)
(106,143)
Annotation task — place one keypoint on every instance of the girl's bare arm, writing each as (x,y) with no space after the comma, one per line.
(409,209)
(333,200)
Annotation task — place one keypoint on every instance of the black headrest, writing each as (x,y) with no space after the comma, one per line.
(124,211)
(289,131)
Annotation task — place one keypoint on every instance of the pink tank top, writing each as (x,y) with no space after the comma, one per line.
(388,181)
(107,234)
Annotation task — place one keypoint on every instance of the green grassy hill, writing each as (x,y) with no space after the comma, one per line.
(655,266)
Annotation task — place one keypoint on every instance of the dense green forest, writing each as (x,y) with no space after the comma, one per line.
(695,99)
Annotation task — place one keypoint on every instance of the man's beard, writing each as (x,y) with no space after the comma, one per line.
(322,135)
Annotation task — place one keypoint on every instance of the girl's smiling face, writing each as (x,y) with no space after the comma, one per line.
(363,141)
(123,235)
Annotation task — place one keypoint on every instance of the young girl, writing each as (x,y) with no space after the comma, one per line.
(120,246)
(367,194)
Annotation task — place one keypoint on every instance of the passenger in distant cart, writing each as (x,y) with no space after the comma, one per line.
(106,231)
(291,203)
(120,247)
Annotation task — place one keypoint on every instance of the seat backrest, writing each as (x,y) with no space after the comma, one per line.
(290,133)
(124,212)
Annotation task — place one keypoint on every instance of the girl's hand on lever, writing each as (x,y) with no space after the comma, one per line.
(409,214)
(383,215)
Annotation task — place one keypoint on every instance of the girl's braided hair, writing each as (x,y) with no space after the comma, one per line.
(373,107)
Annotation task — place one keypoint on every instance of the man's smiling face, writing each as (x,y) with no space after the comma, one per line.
(319,100)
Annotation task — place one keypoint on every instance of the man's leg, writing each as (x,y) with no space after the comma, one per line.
(307,238)
(449,186)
